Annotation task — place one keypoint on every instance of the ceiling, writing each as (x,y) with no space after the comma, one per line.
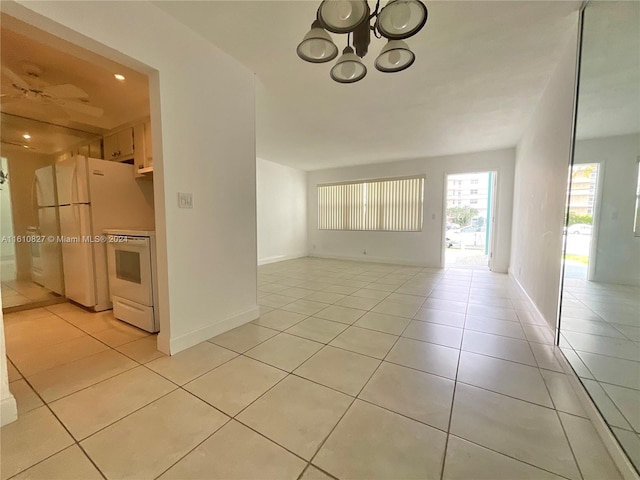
(480,71)
(61,62)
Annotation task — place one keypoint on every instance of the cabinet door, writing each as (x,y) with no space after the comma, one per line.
(125,143)
(95,149)
(110,147)
(147,145)
(139,154)
(83,150)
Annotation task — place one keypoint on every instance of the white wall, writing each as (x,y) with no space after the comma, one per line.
(22,167)
(617,256)
(7,250)
(542,168)
(203,119)
(8,407)
(417,248)
(281,212)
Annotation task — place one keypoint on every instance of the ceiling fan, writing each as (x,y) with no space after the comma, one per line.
(70,98)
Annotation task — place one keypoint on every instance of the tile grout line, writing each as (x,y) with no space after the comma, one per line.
(557,412)
(354,400)
(325,344)
(234,417)
(566,436)
(525,462)
(90,334)
(526,401)
(75,441)
(453,397)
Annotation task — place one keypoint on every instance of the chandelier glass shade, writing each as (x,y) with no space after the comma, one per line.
(398,20)
(395,57)
(349,68)
(317,45)
(401,19)
(342,16)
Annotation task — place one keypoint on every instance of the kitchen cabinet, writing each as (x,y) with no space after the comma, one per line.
(119,146)
(143,158)
(92,149)
(95,148)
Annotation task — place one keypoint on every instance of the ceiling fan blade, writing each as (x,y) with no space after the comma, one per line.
(79,107)
(16,79)
(65,91)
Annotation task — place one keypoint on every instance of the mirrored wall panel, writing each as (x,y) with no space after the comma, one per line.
(31,272)
(600,310)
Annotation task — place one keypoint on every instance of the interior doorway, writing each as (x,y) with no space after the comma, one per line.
(470,204)
(582,205)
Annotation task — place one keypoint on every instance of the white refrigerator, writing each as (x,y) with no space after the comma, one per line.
(46,259)
(96,195)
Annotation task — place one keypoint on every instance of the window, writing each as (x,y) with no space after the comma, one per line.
(383,204)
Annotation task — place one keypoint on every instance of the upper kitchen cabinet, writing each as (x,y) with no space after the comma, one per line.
(92,149)
(143,158)
(119,146)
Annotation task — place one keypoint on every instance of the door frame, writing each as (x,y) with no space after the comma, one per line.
(492,212)
(595,222)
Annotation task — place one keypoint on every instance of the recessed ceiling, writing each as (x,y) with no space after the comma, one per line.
(25,48)
(480,71)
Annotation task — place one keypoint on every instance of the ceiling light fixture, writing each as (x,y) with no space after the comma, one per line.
(119,76)
(397,21)
(26,136)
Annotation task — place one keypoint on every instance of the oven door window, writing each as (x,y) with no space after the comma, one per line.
(128,266)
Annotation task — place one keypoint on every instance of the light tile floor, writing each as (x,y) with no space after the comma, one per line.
(353,371)
(21,292)
(600,325)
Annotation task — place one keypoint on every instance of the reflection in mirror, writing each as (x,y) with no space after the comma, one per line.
(30,264)
(600,310)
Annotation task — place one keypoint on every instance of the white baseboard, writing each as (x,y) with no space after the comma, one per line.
(368,258)
(280,258)
(536,311)
(175,345)
(8,410)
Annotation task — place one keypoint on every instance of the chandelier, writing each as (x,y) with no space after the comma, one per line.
(397,21)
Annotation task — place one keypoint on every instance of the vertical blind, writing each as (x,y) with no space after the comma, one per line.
(383,204)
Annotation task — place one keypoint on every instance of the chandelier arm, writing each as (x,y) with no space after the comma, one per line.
(375,12)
